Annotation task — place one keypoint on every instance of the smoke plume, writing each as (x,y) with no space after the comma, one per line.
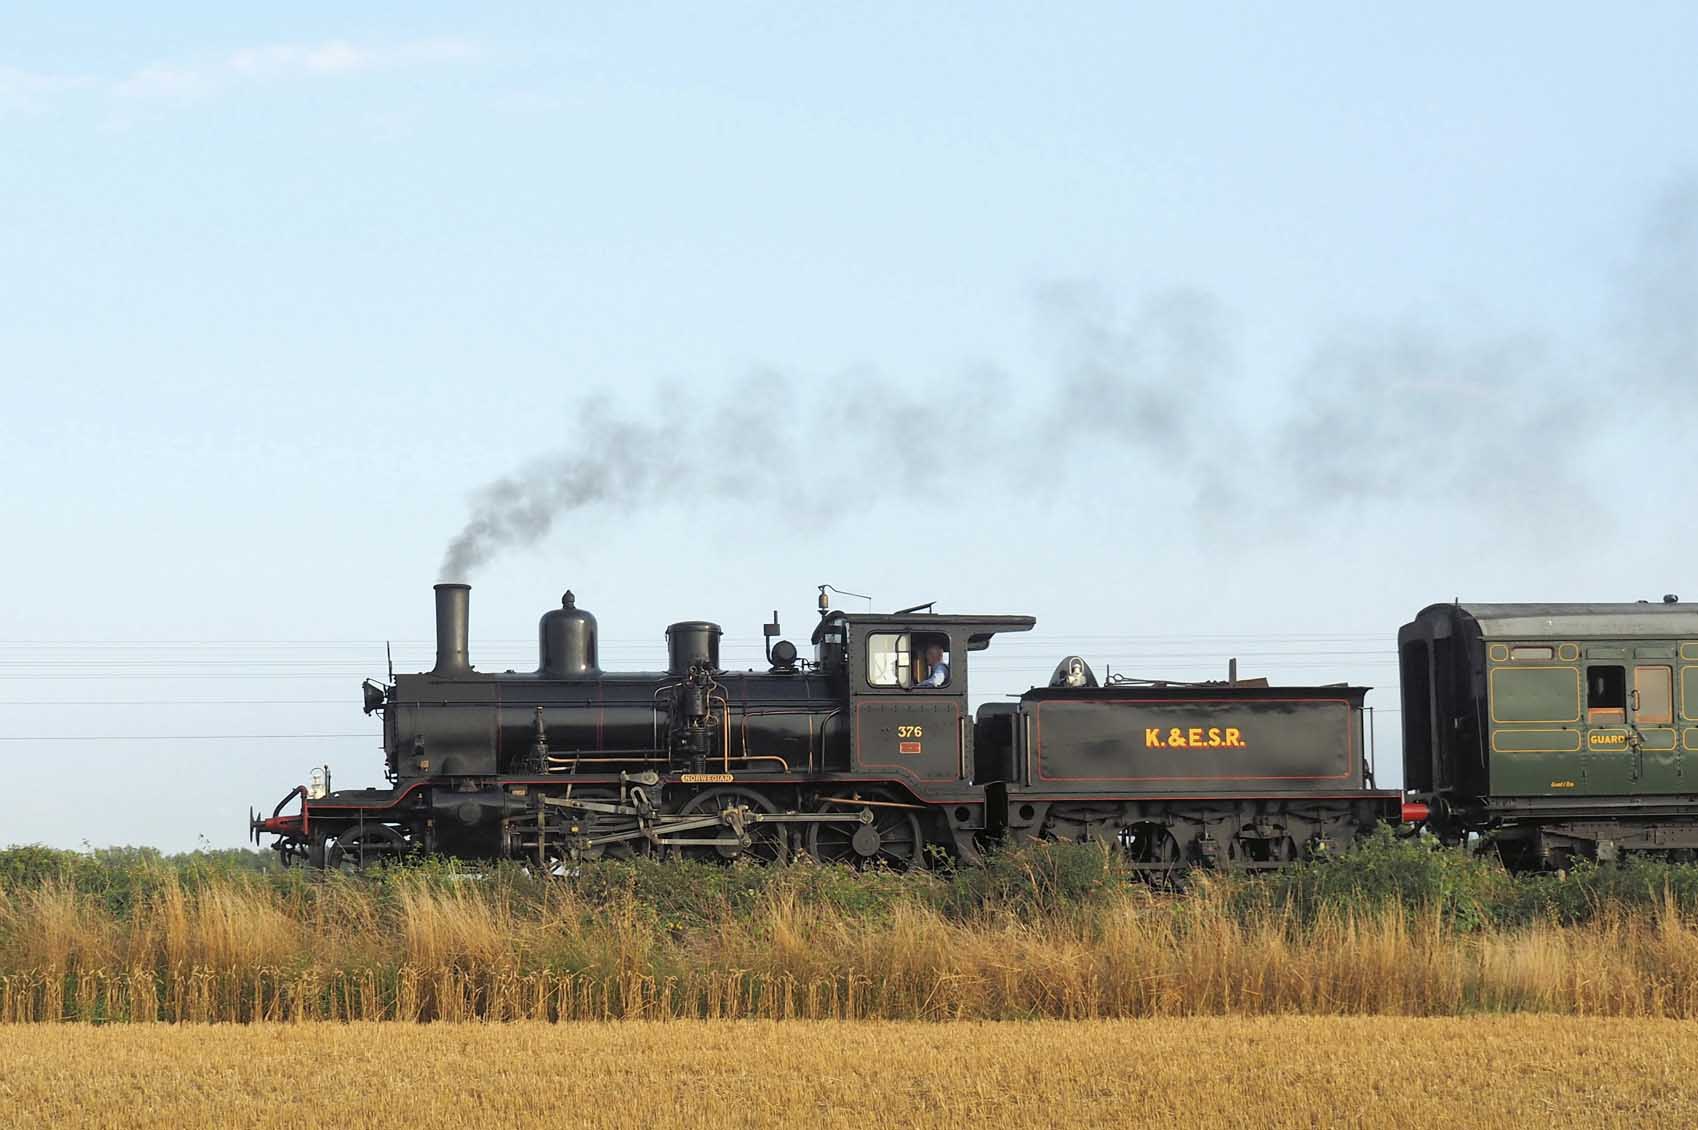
(1159,394)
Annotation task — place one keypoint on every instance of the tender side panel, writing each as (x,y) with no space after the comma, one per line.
(1089,745)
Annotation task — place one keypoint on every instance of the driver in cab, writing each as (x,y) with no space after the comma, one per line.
(937,668)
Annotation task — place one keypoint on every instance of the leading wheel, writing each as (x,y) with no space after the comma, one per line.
(366,846)
(293,852)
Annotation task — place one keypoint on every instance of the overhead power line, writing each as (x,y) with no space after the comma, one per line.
(637,641)
(343,701)
(179,737)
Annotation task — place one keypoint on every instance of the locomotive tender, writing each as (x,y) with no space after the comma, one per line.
(865,754)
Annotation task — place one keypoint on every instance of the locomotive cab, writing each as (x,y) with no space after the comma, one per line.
(908,681)
(909,723)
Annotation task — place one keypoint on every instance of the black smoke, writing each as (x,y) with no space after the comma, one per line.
(1128,383)
(1158,398)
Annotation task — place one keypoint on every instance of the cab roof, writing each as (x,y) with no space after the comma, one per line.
(978,629)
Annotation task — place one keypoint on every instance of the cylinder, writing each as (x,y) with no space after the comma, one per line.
(689,642)
(453,625)
(566,641)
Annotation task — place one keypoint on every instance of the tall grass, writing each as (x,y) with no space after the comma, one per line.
(1047,932)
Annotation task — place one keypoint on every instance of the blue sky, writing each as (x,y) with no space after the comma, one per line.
(1286,320)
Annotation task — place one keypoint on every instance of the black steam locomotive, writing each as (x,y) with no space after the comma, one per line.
(867,754)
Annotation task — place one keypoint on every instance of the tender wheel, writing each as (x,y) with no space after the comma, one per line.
(1151,843)
(363,848)
(768,843)
(1250,847)
(1153,851)
(892,840)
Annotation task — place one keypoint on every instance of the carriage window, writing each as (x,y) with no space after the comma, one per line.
(1606,694)
(1527,651)
(1534,694)
(1653,695)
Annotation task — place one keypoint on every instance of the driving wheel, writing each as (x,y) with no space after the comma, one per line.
(893,839)
(768,843)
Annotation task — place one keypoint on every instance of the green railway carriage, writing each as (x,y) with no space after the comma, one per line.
(1557,730)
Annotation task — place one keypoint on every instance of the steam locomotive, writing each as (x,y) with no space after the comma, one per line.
(865,754)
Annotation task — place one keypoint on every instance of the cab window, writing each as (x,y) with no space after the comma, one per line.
(887,659)
(908,659)
(1606,694)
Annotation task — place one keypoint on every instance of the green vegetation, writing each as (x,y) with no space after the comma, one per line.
(1467,892)
(118,875)
(1060,930)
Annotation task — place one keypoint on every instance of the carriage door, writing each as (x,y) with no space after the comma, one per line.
(1687,689)
(1653,703)
(910,714)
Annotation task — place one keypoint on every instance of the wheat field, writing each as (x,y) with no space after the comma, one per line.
(1496,1072)
(1398,987)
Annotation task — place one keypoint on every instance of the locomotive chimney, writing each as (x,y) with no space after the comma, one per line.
(453,619)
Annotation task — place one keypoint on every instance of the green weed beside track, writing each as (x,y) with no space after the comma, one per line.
(1050,931)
